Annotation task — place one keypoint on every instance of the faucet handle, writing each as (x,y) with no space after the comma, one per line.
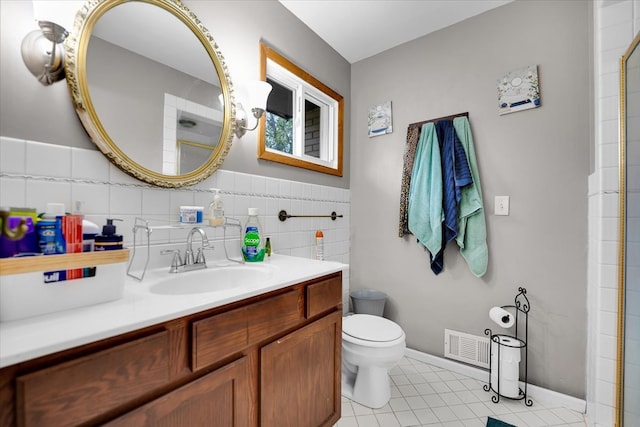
(176,261)
(200,254)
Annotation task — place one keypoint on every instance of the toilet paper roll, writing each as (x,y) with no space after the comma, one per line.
(509,368)
(502,317)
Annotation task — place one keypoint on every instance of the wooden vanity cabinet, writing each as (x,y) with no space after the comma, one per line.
(270,360)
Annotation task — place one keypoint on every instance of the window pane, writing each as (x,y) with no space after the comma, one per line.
(311,129)
(279,119)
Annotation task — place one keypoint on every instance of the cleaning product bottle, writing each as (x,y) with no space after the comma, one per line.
(253,243)
(216,209)
(49,230)
(267,246)
(319,245)
(108,240)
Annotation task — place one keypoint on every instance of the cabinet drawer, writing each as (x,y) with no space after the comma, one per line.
(74,392)
(219,336)
(323,296)
(274,315)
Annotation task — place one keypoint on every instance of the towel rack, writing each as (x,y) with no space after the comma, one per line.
(453,116)
(283,215)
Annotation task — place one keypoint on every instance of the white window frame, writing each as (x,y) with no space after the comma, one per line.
(305,87)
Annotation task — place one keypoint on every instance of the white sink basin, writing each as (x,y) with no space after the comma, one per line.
(213,279)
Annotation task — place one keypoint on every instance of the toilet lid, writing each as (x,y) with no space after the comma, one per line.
(371,328)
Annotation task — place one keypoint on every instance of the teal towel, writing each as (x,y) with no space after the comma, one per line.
(472,228)
(425,193)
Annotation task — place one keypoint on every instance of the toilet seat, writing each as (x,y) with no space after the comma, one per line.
(371,330)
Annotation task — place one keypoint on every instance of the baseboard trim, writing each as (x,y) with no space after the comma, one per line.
(535,392)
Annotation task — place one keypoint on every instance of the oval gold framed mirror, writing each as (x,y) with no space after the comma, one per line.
(151,89)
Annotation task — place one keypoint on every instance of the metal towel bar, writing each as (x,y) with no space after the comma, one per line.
(283,215)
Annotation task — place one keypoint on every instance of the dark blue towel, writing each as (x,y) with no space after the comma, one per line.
(455,175)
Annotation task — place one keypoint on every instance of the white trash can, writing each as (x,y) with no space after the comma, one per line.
(368,301)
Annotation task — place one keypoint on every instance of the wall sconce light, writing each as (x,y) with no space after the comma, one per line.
(257,93)
(42,50)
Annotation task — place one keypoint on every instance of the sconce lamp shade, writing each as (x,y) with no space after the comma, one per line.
(42,50)
(257,94)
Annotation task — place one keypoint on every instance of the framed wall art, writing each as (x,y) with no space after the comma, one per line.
(380,121)
(519,90)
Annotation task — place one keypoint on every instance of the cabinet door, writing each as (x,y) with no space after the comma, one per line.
(218,399)
(300,376)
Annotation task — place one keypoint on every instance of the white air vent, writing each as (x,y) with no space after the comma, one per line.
(467,348)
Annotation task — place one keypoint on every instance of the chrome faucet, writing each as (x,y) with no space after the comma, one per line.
(190,262)
(188,255)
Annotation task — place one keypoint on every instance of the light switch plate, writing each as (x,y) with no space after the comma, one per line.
(501,206)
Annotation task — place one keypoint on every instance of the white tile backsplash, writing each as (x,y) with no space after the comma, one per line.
(12,155)
(87,164)
(34,173)
(13,192)
(48,160)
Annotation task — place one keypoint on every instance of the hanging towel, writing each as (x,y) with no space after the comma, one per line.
(413,132)
(425,193)
(455,175)
(472,228)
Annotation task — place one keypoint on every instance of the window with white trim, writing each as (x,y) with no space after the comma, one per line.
(303,122)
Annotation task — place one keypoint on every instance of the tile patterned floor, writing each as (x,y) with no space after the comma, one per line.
(426,395)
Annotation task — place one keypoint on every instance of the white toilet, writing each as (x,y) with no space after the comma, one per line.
(371,345)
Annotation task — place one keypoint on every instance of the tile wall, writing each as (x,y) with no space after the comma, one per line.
(34,173)
(616,22)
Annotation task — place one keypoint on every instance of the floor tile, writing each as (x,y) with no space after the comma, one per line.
(450,398)
(444,413)
(407,418)
(416,402)
(399,404)
(427,395)
(426,416)
(368,421)
(387,420)
(408,390)
(463,412)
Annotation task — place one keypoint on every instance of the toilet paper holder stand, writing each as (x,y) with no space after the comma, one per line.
(520,308)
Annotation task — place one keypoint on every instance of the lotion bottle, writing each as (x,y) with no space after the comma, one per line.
(216,209)
(108,240)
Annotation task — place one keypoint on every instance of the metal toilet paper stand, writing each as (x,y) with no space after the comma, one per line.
(521,307)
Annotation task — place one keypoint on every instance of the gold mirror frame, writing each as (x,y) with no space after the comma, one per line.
(75,67)
(620,377)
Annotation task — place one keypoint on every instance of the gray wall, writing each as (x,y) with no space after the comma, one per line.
(539,157)
(34,112)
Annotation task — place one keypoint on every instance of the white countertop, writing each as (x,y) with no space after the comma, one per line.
(26,339)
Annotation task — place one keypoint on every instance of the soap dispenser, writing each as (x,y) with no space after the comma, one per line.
(216,209)
(108,240)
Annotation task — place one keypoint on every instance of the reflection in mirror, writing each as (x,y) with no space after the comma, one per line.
(303,125)
(152,90)
(628,370)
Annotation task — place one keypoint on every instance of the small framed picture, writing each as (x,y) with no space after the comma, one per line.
(519,90)
(380,122)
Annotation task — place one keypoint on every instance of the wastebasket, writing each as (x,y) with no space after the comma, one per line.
(368,301)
